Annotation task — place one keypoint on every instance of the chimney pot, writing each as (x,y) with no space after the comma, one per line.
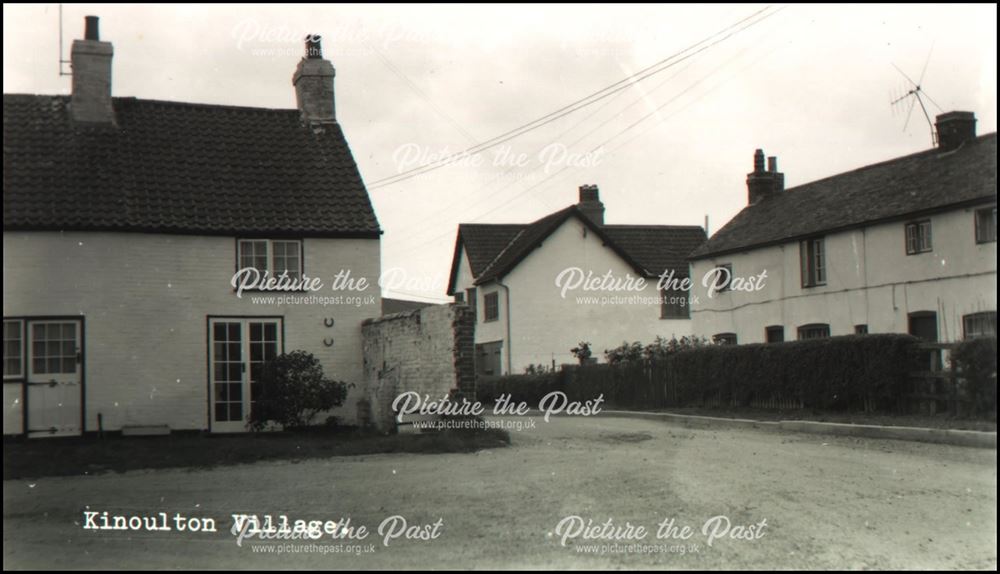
(762,184)
(314,49)
(92,28)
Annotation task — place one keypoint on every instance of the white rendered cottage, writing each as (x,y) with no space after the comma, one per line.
(541,288)
(124,223)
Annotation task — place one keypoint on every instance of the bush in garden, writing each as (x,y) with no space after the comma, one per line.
(582,352)
(624,353)
(292,390)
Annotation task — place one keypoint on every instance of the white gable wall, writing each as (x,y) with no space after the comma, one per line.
(544,326)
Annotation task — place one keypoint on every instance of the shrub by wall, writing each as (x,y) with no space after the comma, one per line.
(975,361)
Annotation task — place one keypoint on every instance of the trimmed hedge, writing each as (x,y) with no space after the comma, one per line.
(858,372)
(976,363)
(863,372)
(855,372)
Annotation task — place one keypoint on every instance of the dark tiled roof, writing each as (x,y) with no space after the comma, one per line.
(482,242)
(495,249)
(658,247)
(179,168)
(920,183)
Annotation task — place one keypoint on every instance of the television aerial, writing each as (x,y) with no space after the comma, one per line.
(915,94)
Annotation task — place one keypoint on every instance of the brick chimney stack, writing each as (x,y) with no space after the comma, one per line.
(313,81)
(91,62)
(762,183)
(955,129)
(590,203)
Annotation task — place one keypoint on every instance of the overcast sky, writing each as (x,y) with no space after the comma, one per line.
(809,84)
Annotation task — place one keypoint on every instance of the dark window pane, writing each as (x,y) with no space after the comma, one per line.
(236,391)
(221,412)
(235,411)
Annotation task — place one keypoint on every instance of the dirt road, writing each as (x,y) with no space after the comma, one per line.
(827,502)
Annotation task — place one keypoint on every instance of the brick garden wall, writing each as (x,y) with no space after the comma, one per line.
(428,350)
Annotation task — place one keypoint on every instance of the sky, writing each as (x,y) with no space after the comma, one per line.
(812,85)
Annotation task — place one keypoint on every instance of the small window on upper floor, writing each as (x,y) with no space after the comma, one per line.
(918,237)
(471,300)
(812,255)
(674,304)
(861,329)
(277,256)
(491,304)
(986,225)
(722,277)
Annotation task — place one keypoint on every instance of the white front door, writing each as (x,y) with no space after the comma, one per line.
(54,384)
(237,353)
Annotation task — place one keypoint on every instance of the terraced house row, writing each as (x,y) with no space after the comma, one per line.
(902,246)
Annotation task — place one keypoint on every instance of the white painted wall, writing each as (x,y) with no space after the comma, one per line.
(145,298)
(544,326)
(870,280)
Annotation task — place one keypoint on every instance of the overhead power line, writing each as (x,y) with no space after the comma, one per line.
(595,97)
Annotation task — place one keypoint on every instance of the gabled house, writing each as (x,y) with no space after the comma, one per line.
(540,288)
(125,222)
(902,246)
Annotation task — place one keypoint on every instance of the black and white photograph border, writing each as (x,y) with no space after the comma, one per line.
(499,286)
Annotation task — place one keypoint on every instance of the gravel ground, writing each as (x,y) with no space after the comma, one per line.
(828,503)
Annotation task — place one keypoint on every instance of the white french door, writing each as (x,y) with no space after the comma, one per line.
(238,350)
(54,378)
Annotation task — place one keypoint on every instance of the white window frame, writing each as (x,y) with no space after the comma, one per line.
(271,257)
(918,237)
(487,316)
(21,355)
(812,256)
